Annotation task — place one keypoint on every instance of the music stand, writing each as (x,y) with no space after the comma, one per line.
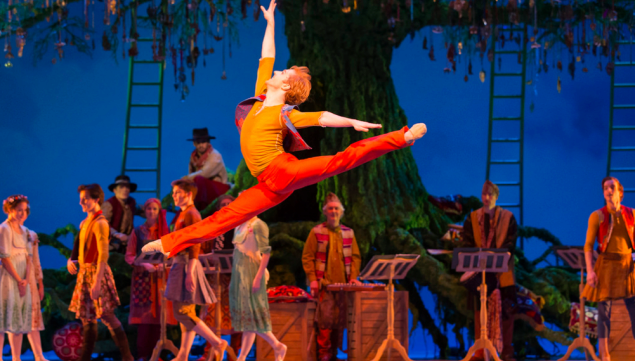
(214,264)
(574,257)
(154,257)
(392,267)
(482,260)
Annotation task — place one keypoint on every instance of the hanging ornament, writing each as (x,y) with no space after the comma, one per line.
(243,9)
(302,27)
(224,76)
(609,68)
(469,67)
(559,66)
(431,53)
(105,42)
(481,76)
(20,40)
(559,85)
(425,43)
(345,8)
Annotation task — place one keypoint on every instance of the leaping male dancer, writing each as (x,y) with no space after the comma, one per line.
(267,125)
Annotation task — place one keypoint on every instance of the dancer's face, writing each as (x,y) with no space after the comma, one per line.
(152,212)
(333,212)
(201,146)
(612,194)
(88,204)
(20,212)
(489,198)
(181,197)
(224,203)
(122,192)
(280,80)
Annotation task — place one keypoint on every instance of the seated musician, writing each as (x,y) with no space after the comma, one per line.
(494,227)
(330,256)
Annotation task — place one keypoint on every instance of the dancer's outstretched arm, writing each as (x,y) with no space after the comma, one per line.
(335,121)
(269,42)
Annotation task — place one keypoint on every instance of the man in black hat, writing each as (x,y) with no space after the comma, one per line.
(120,211)
(206,169)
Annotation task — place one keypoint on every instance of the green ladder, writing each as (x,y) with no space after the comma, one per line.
(513,179)
(612,168)
(155,163)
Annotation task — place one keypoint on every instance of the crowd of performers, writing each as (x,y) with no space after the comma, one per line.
(267,124)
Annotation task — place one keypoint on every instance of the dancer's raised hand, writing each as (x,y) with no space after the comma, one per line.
(361,126)
(268,13)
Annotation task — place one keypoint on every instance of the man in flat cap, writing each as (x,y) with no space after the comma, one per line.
(206,169)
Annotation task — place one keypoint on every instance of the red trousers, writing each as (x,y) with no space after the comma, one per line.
(284,175)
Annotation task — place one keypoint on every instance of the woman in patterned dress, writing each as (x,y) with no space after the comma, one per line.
(145,297)
(15,293)
(248,288)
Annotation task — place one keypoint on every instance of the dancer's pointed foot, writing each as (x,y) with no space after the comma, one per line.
(416,131)
(220,348)
(280,351)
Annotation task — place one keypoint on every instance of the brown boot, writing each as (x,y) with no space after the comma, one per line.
(88,345)
(121,340)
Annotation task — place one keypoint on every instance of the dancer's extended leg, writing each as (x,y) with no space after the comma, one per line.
(293,174)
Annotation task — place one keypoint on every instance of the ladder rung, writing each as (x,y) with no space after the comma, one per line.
(622,149)
(624,106)
(509,205)
(143,126)
(510,29)
(145,39)
(624,127)
(623,169)
(507,52)
(502,184)
(626,42)
(505,161)
(625,85)
(140,170)
(146,191)
(146,62)
(507,118)
(506,140)
(629,190)
(508,96)
(142,148)
(147,83)
(145,105)
(625,63)
(508,74)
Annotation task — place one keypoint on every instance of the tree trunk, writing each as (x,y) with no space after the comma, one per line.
(349,56)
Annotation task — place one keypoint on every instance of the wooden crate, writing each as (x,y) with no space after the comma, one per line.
(292,324)
(368,324)
(621,342)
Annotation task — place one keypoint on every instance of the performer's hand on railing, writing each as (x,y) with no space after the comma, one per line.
(355,281)
(591,278)
(314,285)
(156,246)
(149,267)
(71,267)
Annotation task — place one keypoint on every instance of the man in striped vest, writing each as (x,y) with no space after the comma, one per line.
(330,256)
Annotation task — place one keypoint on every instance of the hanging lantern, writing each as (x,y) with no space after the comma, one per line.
(20,40)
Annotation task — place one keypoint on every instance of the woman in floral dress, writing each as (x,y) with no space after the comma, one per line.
(248,288)
(15,254)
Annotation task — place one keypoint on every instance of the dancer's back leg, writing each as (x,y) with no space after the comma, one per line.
(249,204)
